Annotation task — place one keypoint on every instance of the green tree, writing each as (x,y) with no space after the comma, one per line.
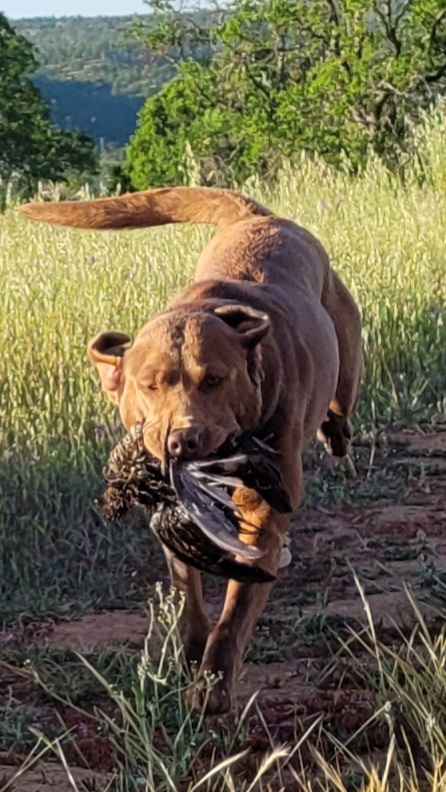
(331,77)
(31,146)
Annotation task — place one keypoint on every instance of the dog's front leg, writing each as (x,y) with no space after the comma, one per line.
(243,605)
(194,622)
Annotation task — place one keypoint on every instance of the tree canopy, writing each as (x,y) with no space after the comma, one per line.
(264,79)
(31,146)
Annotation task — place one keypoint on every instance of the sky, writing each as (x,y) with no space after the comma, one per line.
(16,9)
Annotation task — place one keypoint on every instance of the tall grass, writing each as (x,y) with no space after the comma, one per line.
(59,287)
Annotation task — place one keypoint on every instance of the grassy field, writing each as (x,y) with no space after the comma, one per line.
(59,561)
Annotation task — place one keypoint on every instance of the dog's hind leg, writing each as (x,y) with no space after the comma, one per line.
(335,432)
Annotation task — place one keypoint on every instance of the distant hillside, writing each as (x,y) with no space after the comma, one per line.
(93,76)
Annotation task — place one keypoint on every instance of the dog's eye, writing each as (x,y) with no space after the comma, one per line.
(153,386)
(210,382)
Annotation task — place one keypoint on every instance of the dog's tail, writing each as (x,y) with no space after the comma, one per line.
(149,208)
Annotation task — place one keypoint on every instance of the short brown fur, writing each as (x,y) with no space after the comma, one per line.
(266,338)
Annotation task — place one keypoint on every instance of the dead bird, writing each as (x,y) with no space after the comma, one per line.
(192,510)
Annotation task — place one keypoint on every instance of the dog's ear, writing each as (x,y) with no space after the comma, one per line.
(106,351)
(250,324)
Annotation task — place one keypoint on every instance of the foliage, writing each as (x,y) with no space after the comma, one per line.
(158,153)
(338,78)
(31,146)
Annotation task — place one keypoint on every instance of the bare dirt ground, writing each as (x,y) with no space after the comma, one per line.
(394,542)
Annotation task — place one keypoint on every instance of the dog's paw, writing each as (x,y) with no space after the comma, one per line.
(193,648)
(210,695)
(335,433)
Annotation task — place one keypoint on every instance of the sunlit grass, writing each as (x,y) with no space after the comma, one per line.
(59,287)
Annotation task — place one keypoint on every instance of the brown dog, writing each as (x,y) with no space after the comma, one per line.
(266,338)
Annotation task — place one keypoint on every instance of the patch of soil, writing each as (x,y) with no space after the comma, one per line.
(50,776)
(98,630)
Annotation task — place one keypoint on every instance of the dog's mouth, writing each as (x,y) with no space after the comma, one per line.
(192,508)
(210,440)
(213,438)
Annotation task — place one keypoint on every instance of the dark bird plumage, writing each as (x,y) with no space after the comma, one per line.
(192,510)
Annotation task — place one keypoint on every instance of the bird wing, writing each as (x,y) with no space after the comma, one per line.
(207,515)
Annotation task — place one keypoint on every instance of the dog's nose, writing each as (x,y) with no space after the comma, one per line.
(183,443)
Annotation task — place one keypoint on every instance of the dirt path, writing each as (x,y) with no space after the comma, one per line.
(393,546)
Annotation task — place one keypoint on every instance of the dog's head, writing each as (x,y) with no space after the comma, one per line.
(192,377)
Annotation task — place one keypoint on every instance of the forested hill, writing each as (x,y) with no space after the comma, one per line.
(94,77)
